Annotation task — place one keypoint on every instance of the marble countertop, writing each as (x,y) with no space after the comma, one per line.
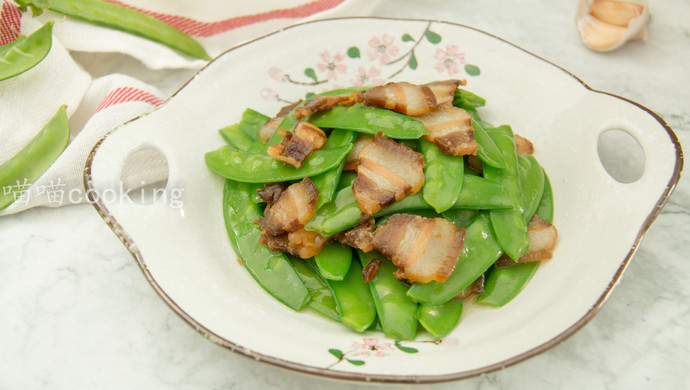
(77,313)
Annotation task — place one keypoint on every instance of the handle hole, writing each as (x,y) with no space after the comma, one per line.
(144,175)
(621,155)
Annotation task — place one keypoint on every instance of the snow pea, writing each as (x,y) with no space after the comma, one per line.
(251,122)
(352,298)
(271,270)
(440,320)
(327,182)
(346,180)
(509,225)
(258,168)
(487,151)
(334,261)
(121,18)
(461,218)
(531,176)
(35,158)
(369,120)
(340,214)
(545,208)
(321,300)
(235,137)
(465,99)
(479,252)
(25,52)
(396,311)
(442,176)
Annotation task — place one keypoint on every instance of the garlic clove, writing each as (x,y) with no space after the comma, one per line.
(619,13)
(599,35)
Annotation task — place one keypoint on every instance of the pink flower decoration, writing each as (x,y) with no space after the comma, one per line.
(371,345)
(269,94)
(382,48)
(276,74)
(368,77)
(449,59)
(331,65)
(448,342)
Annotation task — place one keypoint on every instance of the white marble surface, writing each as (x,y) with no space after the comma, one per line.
(78,314)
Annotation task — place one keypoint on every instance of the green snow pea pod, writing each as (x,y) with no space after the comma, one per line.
(334,261)
(474,113)
(545,208)
(251,122)
(327,182)
(346,180)
(369,120)
(442,176)
(25,52)
(396,311)
(35,158)
(235,137)
(271,270)
(479,252)
(340,214)
(321,300)
(461,218)
(121,18)
(258,168)
(509,225)
(352,298)
(440,320)
(465,99)
(531,176)
(487,151)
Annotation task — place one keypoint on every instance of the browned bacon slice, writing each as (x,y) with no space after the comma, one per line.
(352,159)
(424,249)
(444,91)
(523,145)
(321,103)
(266,131)
(360,236)
(450,128)
(403,97)
(387,172)
(542,239)
(294,207)
(295,148)
(301,243)
(476,288)
(271,192)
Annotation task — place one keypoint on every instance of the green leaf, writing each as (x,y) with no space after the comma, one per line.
(472,70)
(336,352)
(353,52)
(407,38)
(404,348)
(412,63)
(355,362)
(309,72)
(433,37)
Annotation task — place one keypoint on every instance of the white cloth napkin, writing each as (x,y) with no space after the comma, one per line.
(95,107)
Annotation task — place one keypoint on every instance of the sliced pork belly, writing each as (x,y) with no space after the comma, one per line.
(300,242)
(271,192)
(542,239)
(403,97)
(444,91)
(360,236)
(450,128)
(424,249)
(266,131)
(321,103)
(387,172)
(352,159)
(523,145)
(295,148)
(293,208)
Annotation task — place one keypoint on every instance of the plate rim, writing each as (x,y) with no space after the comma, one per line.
(132,248)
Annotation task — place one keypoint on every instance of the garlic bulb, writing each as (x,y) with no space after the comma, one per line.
(605,25)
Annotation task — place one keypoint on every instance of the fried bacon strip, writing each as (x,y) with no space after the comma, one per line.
(300,242)
(424,249)
(293,208)
(266,131)
(542,239)
(321,103)
(271,192)
(523,145)
(352,159)
(444,91)
(387,172)
(450,128)
(403,97)
(295,148)
(360,236)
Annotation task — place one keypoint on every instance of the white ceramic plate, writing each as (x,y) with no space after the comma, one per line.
(184,253)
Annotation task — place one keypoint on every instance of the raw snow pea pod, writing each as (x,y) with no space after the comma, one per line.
(271,270)
(327,182)
(121,18)
(352,298)
(479,252)
(334,261)
(509,225)
(440,320)
(25,52)
(442,176)
(258,168)
(369,120)
(35,158)
(396,311)
(321,300)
